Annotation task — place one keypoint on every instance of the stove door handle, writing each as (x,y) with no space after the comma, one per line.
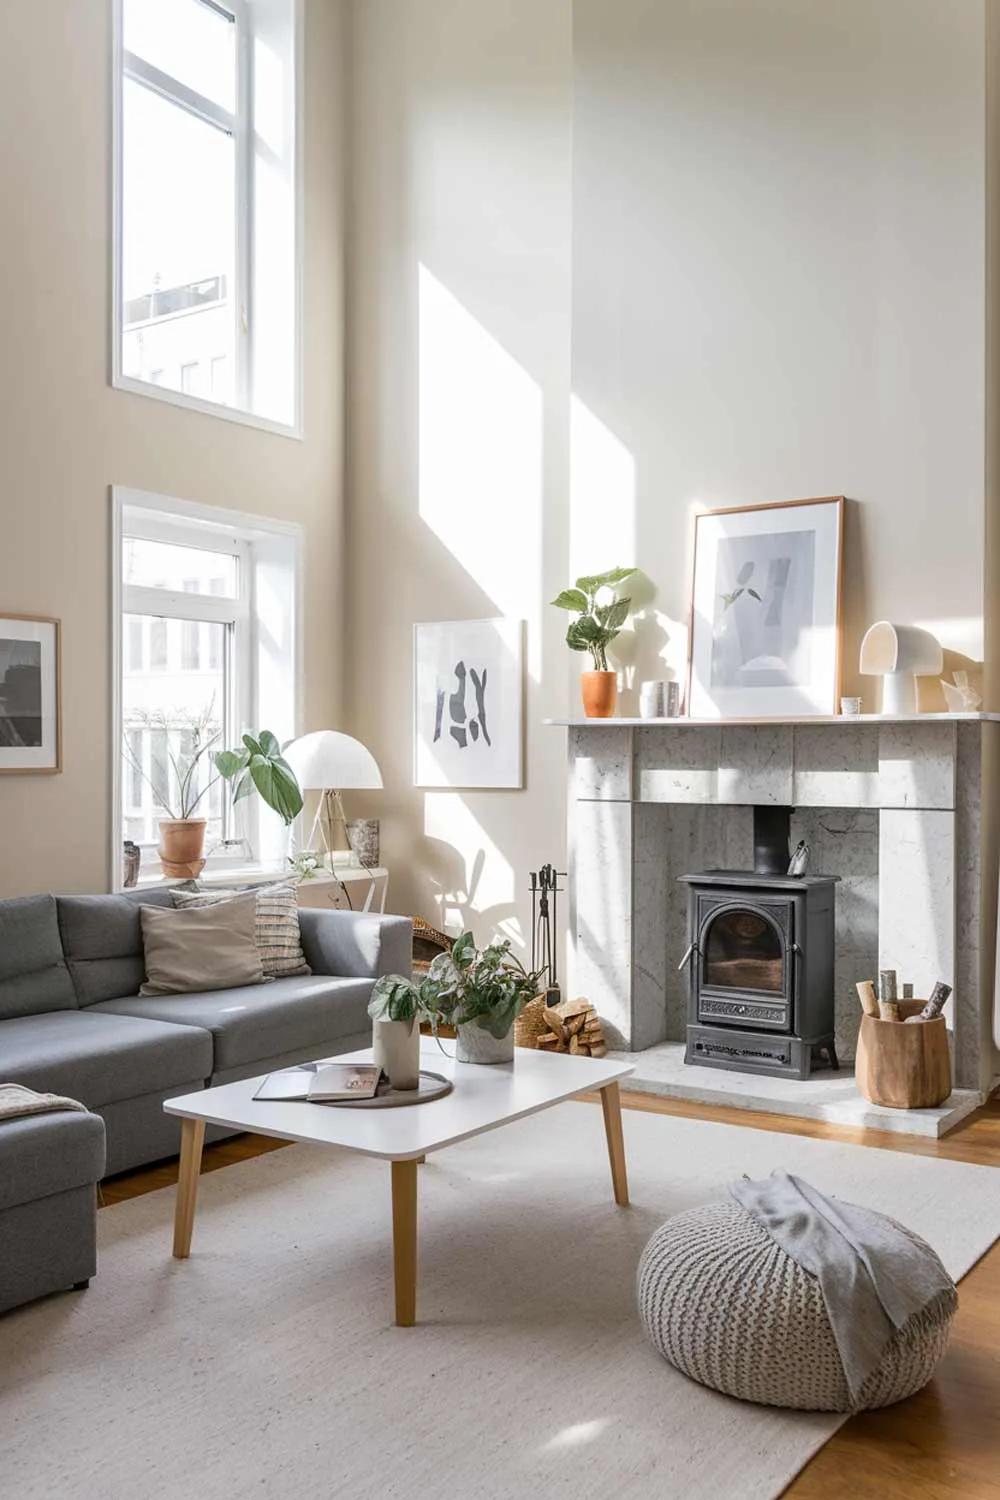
(692,949)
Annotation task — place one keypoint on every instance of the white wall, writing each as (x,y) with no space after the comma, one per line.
(760,231)
(65,436)
(779,282)
(459,370)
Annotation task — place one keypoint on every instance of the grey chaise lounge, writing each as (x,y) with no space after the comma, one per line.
(72,1021)
(50,1165)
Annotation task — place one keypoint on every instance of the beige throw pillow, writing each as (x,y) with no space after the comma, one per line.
(210,948)
(279,941)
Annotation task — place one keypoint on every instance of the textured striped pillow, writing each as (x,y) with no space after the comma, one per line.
(276,929)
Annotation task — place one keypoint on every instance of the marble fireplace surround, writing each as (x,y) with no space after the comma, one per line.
(891,805)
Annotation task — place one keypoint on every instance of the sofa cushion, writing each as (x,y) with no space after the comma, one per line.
(102,941)
(45,1154)
(207,948)
(33,973)
(260,1022)
(100,1059)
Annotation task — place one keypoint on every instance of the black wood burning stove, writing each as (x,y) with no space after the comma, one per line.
(761,963)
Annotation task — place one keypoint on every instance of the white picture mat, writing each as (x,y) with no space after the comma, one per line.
(43,757)
(497,646)
(819,694)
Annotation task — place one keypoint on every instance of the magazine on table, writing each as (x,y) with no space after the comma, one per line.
(321,1083)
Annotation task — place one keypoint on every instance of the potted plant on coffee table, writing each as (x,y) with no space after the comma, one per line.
(481,994)
(600,618)
(396,1010)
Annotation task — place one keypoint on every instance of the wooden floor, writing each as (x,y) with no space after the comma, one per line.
(943,1444)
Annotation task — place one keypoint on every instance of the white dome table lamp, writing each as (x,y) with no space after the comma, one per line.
(329,762)
(899,654)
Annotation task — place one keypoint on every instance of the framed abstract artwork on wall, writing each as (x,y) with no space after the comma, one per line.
(468,696)
(30,728)
(766,611)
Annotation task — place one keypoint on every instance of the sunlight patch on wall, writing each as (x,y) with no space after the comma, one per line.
(480,466)
(474,883)
(602,496)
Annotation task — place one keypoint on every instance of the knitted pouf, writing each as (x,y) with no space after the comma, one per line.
(725,1304)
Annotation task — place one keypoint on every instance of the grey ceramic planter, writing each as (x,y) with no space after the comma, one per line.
(477,1045)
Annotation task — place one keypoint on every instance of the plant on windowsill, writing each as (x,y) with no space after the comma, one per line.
(259,766)
(600,618)
(480,993)
(182,835)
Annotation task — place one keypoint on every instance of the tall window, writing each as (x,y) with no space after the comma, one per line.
(205,234)
(206,646)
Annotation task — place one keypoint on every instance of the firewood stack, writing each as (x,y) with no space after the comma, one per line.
(574,1026)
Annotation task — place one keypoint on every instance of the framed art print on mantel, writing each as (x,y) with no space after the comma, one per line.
(765,611)
(468,695)
(30,733)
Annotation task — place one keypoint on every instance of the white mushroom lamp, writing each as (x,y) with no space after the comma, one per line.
(899,654)
(330,762)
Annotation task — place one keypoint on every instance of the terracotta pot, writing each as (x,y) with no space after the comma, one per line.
(600,694)
(181,843)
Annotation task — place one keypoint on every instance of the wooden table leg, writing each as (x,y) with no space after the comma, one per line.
(611,1103)
(192,1140)
(404,1240)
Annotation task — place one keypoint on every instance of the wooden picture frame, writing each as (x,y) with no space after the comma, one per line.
(30,695)
(766,612)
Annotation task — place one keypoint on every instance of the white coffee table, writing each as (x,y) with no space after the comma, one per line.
(483,1098)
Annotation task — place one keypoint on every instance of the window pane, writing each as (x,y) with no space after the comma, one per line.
(178,243)
(169,713)
(161,565)
(188,40)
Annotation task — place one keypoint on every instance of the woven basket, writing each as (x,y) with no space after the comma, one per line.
(531,1024)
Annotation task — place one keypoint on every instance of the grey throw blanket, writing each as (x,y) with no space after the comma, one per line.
(16,1100)
(872,1275)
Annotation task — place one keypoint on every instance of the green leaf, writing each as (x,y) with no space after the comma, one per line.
(269,744)
(754,595)
(613,616)
(586,629)
(594,581)
(229,762)
(252,745)
(243,787)
(572,599)
(394,998)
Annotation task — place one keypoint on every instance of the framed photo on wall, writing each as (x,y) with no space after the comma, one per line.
(766,611)
(468,697)
(30,731)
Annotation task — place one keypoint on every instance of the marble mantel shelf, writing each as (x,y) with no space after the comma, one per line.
(806,720)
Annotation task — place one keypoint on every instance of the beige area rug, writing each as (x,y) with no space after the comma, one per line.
(267,1365)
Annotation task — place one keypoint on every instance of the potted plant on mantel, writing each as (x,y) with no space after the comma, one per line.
(600,618)
(182,835)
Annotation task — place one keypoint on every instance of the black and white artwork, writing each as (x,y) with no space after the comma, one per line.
(29,691)
(766,616)
(468,695)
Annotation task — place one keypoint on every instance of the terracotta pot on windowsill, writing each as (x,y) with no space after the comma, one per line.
(182,841)
(600,694)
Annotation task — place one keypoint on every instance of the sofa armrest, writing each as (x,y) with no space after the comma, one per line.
(354,944)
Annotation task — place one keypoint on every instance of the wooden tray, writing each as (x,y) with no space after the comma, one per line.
(432,1086)
(904,1067)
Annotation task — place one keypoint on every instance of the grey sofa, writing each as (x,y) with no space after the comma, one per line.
(72,1021)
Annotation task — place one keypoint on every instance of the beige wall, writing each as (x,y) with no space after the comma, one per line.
(460,252)
(757,235)
(65,436)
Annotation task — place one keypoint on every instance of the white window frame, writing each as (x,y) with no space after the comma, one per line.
(239,126)
(255,542)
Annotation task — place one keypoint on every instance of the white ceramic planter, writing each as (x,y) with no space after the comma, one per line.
(396,1050)
(477,1045)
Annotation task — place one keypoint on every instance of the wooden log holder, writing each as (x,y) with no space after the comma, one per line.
(904,1066)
